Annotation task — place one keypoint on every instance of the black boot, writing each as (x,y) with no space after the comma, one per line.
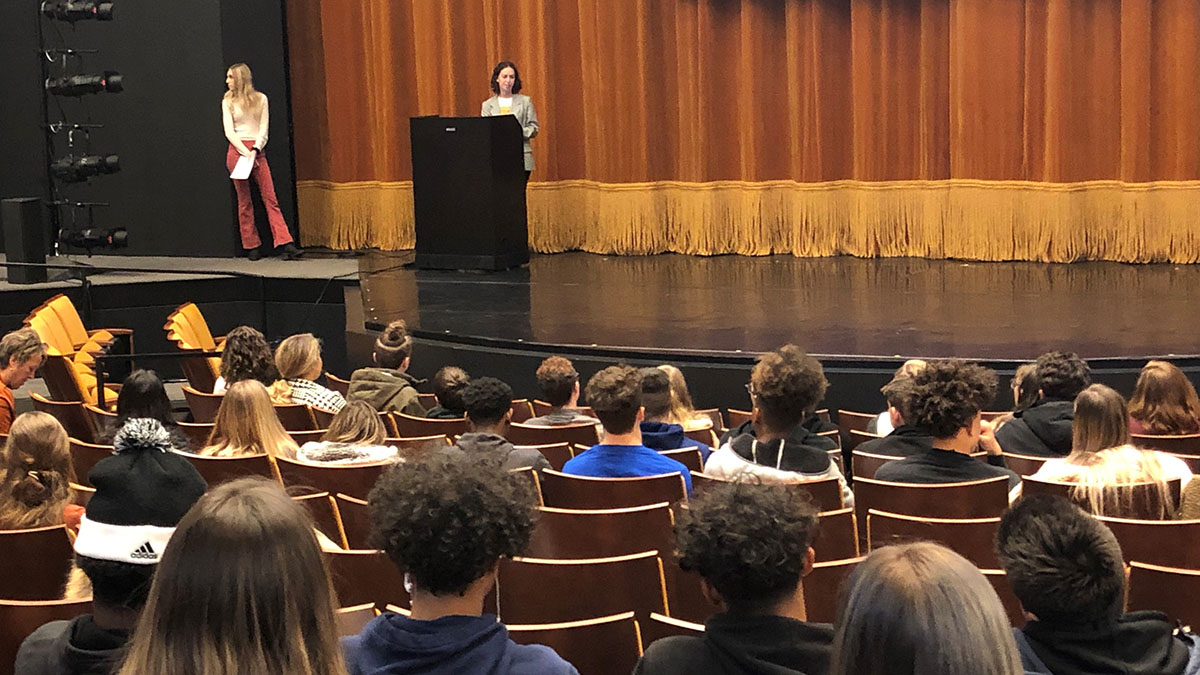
(289,251)
(254,253)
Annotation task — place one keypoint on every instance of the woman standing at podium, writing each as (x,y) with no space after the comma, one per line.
(506,85)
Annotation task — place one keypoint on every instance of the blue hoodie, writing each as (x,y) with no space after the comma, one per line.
(663,436)
(392,644)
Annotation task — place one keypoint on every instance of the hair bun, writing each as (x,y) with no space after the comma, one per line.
(396,331)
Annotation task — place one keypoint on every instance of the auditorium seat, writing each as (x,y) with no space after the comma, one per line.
(1012,606)
(1171,543)
(389,424)
(714,416)
(849,420)
(355,480)
(584,492)
(337,384)
(217,470)
(352,515)
(203,405)
(295,416)
(826,493)
(81,494)
(609,644)
(687,600)
(325,516)
(1166,589)
(20,618)
(865,464)
(310,436)
(689,457)
(658,626)
(972,538)
(541,408)
(540,590)
(1188,444)
(418,446)
(986,498)
(557,454)
(197,433)
(738,417)
(84,456)
(407,426)
(352,620)
(427,401)
(838,535)
(705,436)
(324,418)
(101,419)
(586,435)
(822,586)
(834,435)
(70,414)
(522,410)
(187,328)
(1139,500)
(366,576)
(36,562)
(857,438)
(1023,465)
(601,533)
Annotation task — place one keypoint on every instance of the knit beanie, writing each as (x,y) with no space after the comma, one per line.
(142,492)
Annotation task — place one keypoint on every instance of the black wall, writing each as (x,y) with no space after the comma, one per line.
(173,193)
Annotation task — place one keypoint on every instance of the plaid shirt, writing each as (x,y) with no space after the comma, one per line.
(313,394)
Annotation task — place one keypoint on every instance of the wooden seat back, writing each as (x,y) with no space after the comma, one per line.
(352,620)
(84,456)
(187,328)
(586,435)
(541,408)
(865,464)
(557,454)
(855,438)
(19,618)
(310,436)
(1186,444)
(1141,501)
(1167,589)
(36,562)
(1012,606)
(295,416)
(975,499)
(972,538)
(102,420)
(689,457)
(407,426)
(360,577)
(848,420)
(826,493)
(583,492)
(521,409)
(705,436)
(197,433)
(355,480)
(419,446)
(539,590)
(204,406)
(658,626)
(217,470)
(602,533)
(609,644)
(1170,543)
(352,514)
(324,513)
(837,538)
(324,418)
(70,414)
(822,586)
(1024,465)
(337,384)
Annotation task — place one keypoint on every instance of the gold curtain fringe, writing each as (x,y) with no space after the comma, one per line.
(963,219)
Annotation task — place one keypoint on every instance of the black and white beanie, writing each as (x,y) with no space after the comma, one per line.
(142,492)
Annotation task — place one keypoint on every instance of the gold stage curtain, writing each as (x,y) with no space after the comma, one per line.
(986,129)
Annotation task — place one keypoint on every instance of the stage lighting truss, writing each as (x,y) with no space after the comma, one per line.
(82,85)
(78,11)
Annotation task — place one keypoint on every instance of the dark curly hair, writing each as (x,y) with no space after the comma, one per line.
(393,345)
(487,400)
(557,377)
(247,356)
(1062,375)
(496,74)
(947,395)
(750,541)
(786,385)
(446,521)
(615,395)
(448,383)
(1063,564)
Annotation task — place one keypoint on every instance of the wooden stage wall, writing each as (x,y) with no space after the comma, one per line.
(1048,130)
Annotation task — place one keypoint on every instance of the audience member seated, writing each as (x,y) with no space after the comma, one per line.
(446,523)
(143,395)
(806,380)
(298,359)
(921,609)
(355,436)
(560,388)
(657,432)
(241,588)
(1067,570)
(946,399)
(21,354)
(615,394)
(752,544)
(683,412)
(904,439)
(246,425)
(1024,388)
(1044,429)
(141,494)
(387,386)
(35,477)
(884,423)
(489,407)
(774,445)
(247,356)
(1164,402)
(448,383)
(1102,461)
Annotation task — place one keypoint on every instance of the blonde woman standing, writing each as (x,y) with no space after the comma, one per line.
(245,116)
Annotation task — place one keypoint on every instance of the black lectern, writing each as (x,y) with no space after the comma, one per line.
(469,192)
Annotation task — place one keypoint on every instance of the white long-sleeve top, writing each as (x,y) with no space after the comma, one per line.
(240,126)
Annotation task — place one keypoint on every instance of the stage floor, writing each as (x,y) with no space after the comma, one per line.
(830,306)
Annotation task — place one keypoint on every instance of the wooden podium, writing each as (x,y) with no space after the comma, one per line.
(469,192)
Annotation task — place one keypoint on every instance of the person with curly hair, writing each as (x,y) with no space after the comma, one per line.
(21,354)
(1044,429)
(946,400)
(616,397)
(448,383)
(774,445)
(247,356)
(387,386)
(489,407)
(1067,570)
(446,523)
(559,383)
(752,545)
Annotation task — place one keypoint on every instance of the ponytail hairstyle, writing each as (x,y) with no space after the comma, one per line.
(244,96)
(35,473)
(393,345)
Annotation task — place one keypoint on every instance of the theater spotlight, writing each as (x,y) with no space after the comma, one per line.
(78,11)
(91,238)
(79,85)
(74,169)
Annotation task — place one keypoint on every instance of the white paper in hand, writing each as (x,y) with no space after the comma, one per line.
(241,171)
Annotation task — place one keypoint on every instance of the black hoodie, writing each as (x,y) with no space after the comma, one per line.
(804,433)
(1044,430)
(904,441)
(739,643)
(1139,643)
(76,647)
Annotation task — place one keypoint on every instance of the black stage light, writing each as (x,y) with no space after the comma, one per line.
(73,169)
(64,10)
(92,238)
(79,85)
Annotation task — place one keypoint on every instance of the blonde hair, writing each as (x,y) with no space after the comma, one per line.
(356,423)
(1105,479)
(243,588)
(244,96)
(921,609)
(298,356)
(1101,420)
(35,473)
(246,424)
